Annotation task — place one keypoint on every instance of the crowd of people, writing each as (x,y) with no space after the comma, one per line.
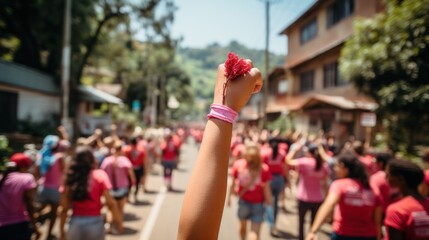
(73,181)
(366,194)
(372,194)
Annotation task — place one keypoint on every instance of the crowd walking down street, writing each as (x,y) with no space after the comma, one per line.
(232,181)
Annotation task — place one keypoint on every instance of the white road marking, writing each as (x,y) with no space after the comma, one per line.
(147,230)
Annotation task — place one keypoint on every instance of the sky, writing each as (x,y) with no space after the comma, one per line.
(203,22)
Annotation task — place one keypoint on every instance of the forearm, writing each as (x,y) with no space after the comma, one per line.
(207,186)
(267,194)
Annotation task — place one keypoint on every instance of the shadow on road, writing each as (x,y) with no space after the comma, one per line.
(176,191)
(182,170)
(151,192)
(142,203)
(128,217)
(127,231)
(283,235)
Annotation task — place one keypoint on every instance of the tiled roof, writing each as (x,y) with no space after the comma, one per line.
(341,102)
(301,102)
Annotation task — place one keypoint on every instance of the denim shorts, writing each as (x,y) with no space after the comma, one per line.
(86,227)
(250,211)
(48,195)
(119,193)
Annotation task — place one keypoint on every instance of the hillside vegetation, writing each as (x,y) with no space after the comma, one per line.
(201,64)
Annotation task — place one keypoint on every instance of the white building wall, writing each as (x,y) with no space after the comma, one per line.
(302,122)
(38,107)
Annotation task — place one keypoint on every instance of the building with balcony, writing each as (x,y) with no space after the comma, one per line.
(311,87)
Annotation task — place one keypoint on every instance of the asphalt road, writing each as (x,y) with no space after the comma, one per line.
(156,215)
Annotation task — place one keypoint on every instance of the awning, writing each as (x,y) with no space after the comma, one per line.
(286,104)
(341,102)
(94,95)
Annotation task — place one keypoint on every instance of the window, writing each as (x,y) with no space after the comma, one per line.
(307,81)
(282,87)
(309,31)
(339,10)
(331,76)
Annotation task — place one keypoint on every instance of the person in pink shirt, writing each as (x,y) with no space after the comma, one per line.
(367,160)
(357,210)
(312,184)
(83,189)
(17,190)
(407,218)
(138,158)
(170,154)
(238,149)
(121,175)
(251,185)
(50,169)
(278,169)
(379,182)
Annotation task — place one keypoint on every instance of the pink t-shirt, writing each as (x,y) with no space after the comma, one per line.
(118,175)
(242,177)
(98,183)
(170,149)
(310,181)
(135,155)
(410,216)
(354,213)
(379,183)
(12,206)
(277,164)
(266,153)
(369,163)
(238,151)
(53,177)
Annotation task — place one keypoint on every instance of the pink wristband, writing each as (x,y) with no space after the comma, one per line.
(222,112)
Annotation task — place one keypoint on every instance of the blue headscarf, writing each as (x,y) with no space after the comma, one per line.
(47,156)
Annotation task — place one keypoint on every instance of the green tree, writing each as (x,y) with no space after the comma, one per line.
(32,30)
(388,59)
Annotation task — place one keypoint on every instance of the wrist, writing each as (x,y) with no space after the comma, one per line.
(223,113)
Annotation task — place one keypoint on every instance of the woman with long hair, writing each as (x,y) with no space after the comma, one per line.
(313,172)
(251,184)
(17,190)
(83,188)
(407,218)
(278,170)
(357,208)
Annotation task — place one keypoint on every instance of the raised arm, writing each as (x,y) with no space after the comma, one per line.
(291,154)
(205,195)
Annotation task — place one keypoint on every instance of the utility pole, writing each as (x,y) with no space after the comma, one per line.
(65,67)
(267,61)
(155,93)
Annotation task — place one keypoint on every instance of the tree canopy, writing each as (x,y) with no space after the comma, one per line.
(387,58)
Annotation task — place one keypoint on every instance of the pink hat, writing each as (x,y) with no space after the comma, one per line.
(21,160)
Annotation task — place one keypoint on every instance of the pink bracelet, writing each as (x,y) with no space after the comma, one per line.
(222,112)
